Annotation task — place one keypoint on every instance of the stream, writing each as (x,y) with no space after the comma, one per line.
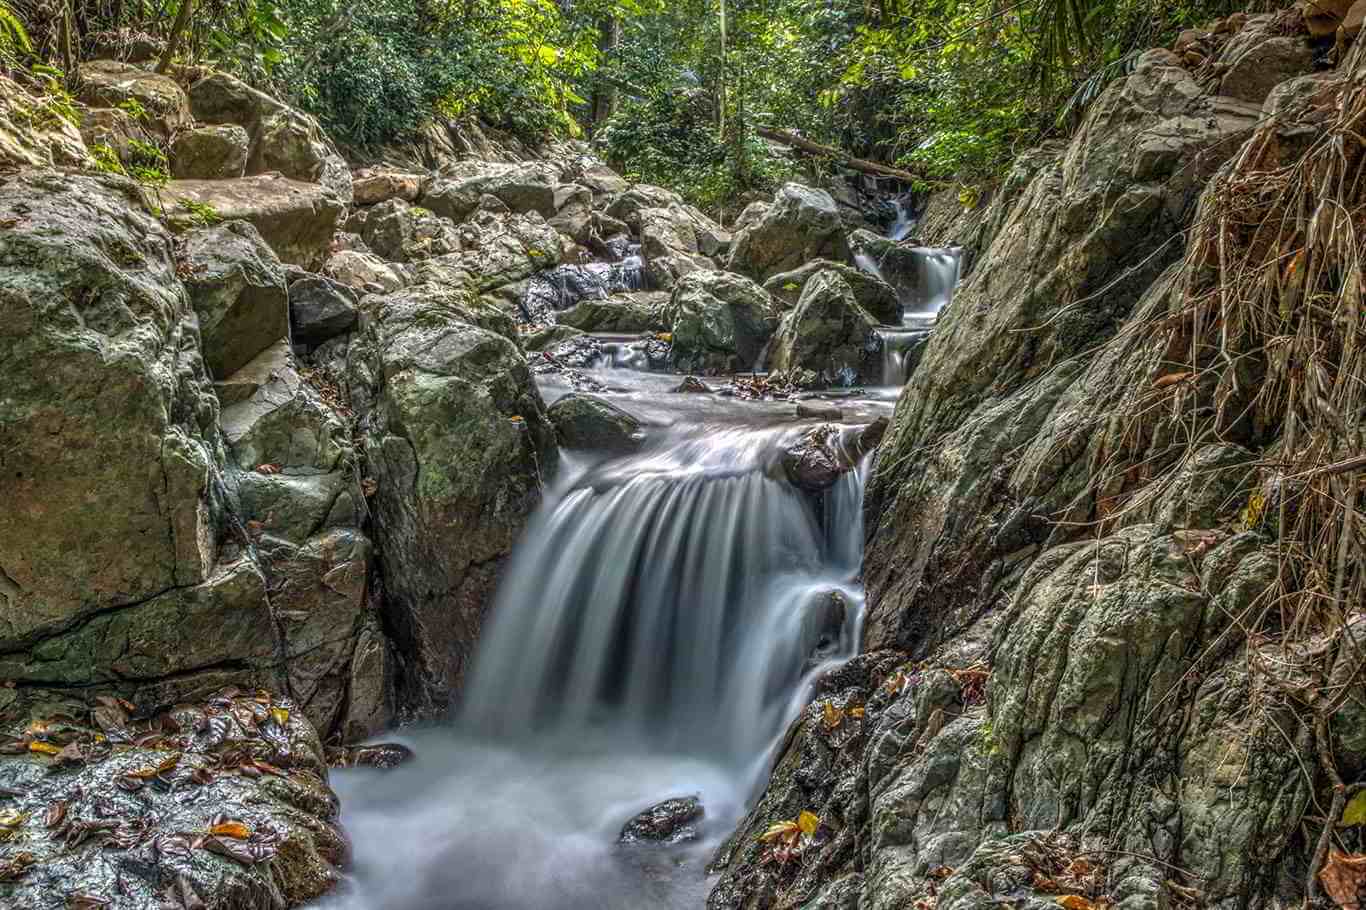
(657,630)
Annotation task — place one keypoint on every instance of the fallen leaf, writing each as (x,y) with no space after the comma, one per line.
(1171,379)
(808,822)
(1355,813)
(1074,902)
(267,469)
(44,748)
(280,716)
(1343,875)
(784,830)
(833,716)
(234,829)
(856,711)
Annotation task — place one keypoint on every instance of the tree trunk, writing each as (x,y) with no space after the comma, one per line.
(178,29)
(861,165)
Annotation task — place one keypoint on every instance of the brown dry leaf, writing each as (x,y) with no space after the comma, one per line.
(1074,902)
(16,867)
(833,716)
(856,711)
(1343,876)
(1171,379)
(55,814)
(267,469)
(230,828)
(784,830)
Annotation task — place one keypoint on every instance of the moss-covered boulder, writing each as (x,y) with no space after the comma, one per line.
(802,224)
(829,334)
(872,293)
(719,322)
(588,422)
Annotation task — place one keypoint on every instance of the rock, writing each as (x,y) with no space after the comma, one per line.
(808,411)
(751,215)
(110,83)
(370,186)
(669,822)
(1258,59)
(801,225)
(51,142)
(626,313)
(598,177)
(320,309)
(1324,17)
(627,206)
(363,272)
(116,129)
(238,290)
(125,840)
(107,410)
(589,422)
(817,460)
(830,334)
(719,322)
(382,756)
(872,293)
(210,153)
(403,233)
(549,336)
(1351,23)
(269,366)
(456,440)
(370,706)
(691,385)
(521,188)
(283,139)
(578,351)
(296,219)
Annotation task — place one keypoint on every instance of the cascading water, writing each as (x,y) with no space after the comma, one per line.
(649,640)
(565,285)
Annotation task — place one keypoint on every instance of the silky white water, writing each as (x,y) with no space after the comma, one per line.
(652,637)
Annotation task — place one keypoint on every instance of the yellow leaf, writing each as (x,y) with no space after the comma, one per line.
(833,715)
(664,336)
(1355,813)
(856,711)
(280,716)
(43,748)
(786,830)
(1074,902)
(235,830)
(808,822)
(12,818)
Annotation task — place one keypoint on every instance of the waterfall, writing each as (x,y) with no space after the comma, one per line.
(937,276)
(656,631)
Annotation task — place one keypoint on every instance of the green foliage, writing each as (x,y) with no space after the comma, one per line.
(201,213)
(106,158)
(134,108)
(14,40)
(147,163)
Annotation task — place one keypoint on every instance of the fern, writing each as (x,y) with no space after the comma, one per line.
(13,36)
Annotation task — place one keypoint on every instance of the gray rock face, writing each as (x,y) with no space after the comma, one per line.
(829,334)
(456,442)
(296,219)
(51,142)
(109,83)
(630,313)
(282,138)
(363,272)
(1259,58)
(522,188)
(238,290)
(114,128)
(121,822)
(719,322)
(872,293)
(320,310)
(371,186)
(589,422)
(802,224)
(210,152)
(400,232)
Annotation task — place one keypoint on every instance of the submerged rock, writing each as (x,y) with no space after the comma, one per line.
(589,422)
(669,822)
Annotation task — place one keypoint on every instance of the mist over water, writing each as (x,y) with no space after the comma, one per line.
(653,636)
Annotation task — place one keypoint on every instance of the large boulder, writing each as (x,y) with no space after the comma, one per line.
(455,442)
(872,293)
(588,422)
(237,288)
(296,219)
(117,131)
(373,185)
(669,242)
(523,188)
(210,152)
(283,139)
(829,334)
(363,271)
(108,417)
(110,83)
(627,313)
(719,322)
(802,224)
(321,309)
(29,142)
(403,233)
(628,206)
(1260,57)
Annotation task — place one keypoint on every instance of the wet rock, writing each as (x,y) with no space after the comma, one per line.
(522,188)
(283,139)
(238,290)
(566,287)
(548,337)
(815,411)
(320,309)
(296,219)
(691,385)
(829,334)
(872,293)
(627,313)
(719,322)
(109,83)
(817,459)
(224,802)
(370,186)
(210,152)
(627,207)
(455,441)
(669,822)
(382,756)
(588,422)
(802,224)
(108,409)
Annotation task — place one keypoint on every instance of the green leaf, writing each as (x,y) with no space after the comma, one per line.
(1355,813)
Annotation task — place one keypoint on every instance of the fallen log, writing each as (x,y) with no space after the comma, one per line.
(784,137)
